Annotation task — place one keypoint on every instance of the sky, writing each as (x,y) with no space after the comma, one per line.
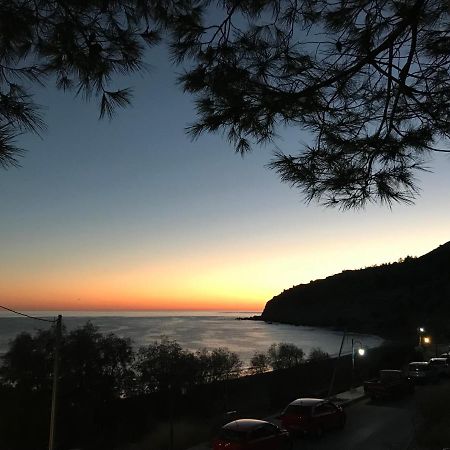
(132,214)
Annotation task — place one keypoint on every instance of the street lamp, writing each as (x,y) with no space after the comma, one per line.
(361,352)
(421,330)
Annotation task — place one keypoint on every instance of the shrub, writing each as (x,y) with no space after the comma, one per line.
(218,364)
(163,365)
(285,355)
(259,363)
(317,354)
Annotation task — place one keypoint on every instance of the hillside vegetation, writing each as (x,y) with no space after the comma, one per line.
(389,300)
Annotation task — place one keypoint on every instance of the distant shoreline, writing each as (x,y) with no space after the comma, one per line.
(257,318)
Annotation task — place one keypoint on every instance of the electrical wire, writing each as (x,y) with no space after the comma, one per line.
(27,315)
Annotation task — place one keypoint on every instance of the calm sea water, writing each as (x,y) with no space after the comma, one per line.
(193,330)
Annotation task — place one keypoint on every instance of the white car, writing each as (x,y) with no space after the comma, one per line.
(422,372)
(441,365)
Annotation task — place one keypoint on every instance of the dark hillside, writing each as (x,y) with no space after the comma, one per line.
(389,300)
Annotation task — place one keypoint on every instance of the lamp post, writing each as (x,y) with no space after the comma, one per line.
(420,330)
(361,352)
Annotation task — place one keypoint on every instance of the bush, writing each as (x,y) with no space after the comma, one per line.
(285,355)
(163,365)
(259,363)
(93,365)
(317,354)
(218,364)
(95,370)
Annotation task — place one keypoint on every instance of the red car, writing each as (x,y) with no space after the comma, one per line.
(252,434)
(312,415)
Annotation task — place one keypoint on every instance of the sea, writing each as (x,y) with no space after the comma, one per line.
(193,330)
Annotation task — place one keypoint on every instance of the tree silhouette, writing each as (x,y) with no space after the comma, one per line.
(368,79)
(285,355)
(79,45)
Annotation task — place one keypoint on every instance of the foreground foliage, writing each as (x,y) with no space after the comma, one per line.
(98,366)
(284,356)
(97,371)
(369,80)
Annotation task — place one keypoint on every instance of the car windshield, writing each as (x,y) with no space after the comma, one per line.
(230,435)
(298,409)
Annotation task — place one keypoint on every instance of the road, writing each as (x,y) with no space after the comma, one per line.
(382,425)
(387,425)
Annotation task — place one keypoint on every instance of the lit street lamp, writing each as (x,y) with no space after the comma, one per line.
(361,352)
(421,330)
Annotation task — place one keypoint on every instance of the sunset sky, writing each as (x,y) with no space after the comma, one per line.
(131,214)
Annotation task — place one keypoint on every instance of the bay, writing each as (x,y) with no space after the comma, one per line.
(193,330)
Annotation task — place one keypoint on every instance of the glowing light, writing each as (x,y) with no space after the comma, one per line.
(427,340)
(361,352)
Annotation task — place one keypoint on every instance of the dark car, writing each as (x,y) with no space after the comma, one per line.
(391,383)
(252,434)
(312,416)
(423,372)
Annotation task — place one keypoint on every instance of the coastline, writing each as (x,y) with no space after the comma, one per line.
(196,332)
(363,331)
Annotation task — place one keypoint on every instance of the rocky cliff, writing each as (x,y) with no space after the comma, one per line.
(389,300)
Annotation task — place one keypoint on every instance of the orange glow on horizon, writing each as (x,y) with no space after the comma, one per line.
(219,279)
(257,306)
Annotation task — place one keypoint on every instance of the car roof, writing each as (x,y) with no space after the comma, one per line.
(439,359)
(390,371)
(418,363)
(244,424)
(307,401)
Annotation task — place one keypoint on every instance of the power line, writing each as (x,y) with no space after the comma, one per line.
(27,315)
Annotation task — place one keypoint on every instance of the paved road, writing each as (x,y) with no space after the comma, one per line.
(387,425)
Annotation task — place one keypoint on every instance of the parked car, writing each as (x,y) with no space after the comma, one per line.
(422,372)
(252,434)
(391,383)
(312,416)
(441,365)
(446,356)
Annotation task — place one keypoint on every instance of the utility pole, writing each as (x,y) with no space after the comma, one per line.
(333,376)
(353,365)
(171,407)
(58,332)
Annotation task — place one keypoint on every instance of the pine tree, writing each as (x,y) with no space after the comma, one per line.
(79,45)
(367,79)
